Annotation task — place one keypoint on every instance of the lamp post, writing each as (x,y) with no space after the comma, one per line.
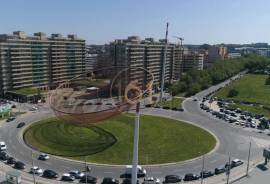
(249,149)
(136,144)
(202,175)
(164,65)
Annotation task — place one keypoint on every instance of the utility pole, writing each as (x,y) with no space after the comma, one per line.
(164,65)
(228,169)
(34,177)
(249,149)
(136,144)
(85,169)
(202,175)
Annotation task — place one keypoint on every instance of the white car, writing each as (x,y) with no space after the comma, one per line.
(44,156)
(36,170)
(151,180)
(76,174)
(3,146)
(141,172)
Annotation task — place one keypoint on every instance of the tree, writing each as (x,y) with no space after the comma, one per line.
(232,93)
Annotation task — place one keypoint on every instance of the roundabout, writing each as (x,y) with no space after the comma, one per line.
(162,140)
(231,140)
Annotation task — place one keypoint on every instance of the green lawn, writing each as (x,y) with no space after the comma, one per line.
(251,88)
(6,115)
(162,140)
(90,83)
(176,102)
(26,91)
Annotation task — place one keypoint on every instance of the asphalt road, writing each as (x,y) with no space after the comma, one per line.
(231,140)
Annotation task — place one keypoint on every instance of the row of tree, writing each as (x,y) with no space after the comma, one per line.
(196,80)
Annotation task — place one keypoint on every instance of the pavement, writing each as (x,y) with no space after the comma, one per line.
(232,140)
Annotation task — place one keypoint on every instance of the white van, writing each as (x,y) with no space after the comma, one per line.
(3,146)
(140,172)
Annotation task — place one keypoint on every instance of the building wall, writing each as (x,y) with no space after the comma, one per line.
(192,61)
(148,54)
(38,60)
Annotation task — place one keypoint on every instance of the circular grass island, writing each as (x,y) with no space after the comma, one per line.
(162,140)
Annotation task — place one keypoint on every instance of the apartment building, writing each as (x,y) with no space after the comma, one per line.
(38,60)
(191,61)
(149,54)
(214,54)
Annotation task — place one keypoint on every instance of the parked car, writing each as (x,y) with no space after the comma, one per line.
(236,162)
(140,171)
(151,180)
(20,125)
(206,174)
(19,165)
(11,161)
(44,156)
(172,179)
(220,170)
(76,174)
(36,170)
(12,118)
(50,174)
(191,177)
(88,179)
(3,146)
(67,177)
(128,181)
(3,156)
(109,180)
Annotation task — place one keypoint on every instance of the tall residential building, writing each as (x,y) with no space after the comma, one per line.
(91,62)
(149,54)
(39,61)
(192,60)
(215,53)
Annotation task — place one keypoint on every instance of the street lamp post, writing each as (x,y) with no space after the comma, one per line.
(228,169)
(34,177)
(248,157)
(136,144)
(202,175)
(164,65)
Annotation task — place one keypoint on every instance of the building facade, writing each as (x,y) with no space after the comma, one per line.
(149,54)
(39,61)
(192,61)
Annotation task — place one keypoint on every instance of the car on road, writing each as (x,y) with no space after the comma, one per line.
(67,177)
(50,174)
(140,172)
(19,165)
(3,146)
(109,180)
(172,179)
(44,156)
(236,163)
(12,118)
(191,177)
(21,124)
(76,174)
(128,181)
(3,156)
(11,161)
(36,170)
(88,179)
(151,180)
(206,174)
(220,170)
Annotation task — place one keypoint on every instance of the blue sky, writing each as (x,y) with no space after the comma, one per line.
(101,21)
